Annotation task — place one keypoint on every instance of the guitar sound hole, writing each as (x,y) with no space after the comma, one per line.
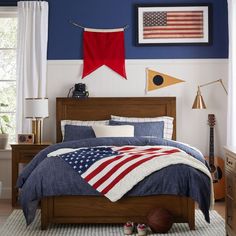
(217,174)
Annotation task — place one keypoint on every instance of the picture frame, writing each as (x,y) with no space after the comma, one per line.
(173,24)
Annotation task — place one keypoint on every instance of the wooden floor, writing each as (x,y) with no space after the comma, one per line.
(6,209)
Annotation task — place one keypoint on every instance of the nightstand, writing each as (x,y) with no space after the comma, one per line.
(22,154)
(230,170)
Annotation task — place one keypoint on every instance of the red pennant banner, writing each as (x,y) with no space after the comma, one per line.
(104,48)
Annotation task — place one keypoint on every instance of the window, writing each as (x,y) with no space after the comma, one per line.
(8,41)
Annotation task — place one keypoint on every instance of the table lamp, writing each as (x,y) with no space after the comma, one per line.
(36,109)
(199,102)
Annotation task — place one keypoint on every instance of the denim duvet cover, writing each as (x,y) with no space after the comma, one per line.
(54,176)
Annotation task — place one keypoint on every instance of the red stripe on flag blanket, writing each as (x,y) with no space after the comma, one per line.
(130,168)
(101,167)
(114,169)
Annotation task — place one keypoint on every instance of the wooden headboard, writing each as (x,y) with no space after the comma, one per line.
(102,109)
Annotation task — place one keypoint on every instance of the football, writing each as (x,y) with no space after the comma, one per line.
(160,220)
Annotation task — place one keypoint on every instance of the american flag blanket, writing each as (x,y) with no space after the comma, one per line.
(113,170)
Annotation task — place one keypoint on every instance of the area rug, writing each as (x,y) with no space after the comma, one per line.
(15,226)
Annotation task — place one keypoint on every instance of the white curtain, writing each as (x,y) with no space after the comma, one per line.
(31,56)
(231,131)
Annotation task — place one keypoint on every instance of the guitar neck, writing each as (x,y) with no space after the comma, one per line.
(211,146)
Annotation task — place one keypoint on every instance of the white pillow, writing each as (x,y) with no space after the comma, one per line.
(81,123)
(113,131)
(168,123)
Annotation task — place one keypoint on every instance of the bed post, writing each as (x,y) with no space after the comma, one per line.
(44,213)
(191,214)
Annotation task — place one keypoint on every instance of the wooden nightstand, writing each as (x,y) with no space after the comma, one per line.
(22,154)
(230,170)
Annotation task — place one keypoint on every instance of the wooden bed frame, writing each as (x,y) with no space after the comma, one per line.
(98,209)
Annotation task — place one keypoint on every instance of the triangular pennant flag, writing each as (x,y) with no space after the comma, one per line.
(157,80)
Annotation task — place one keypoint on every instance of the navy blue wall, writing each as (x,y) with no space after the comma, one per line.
(65,39)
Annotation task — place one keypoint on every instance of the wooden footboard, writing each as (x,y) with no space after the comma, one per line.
(97,209)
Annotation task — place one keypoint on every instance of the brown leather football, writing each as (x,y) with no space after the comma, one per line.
(160,220)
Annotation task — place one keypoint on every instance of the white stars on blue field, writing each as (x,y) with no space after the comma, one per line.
(80,160)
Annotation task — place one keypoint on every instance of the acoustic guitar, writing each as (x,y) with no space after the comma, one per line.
(216,164)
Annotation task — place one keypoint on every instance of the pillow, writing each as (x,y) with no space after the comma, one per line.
(150,129)
(168,123)
(81,123)
(75,132)
(114,131)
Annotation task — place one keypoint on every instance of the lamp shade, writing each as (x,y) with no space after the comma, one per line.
(199,102)
(36,107)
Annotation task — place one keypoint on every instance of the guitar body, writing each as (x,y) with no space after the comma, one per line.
(216,164)
(218,177)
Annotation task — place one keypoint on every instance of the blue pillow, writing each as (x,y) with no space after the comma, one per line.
(76,132)
(150,129)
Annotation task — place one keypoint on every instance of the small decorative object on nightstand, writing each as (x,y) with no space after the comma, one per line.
(22,154)
(230,171)
(25,138)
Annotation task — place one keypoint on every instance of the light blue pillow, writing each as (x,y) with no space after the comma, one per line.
(148,129)
(76,132)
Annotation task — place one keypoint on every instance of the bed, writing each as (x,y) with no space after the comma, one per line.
(98,209)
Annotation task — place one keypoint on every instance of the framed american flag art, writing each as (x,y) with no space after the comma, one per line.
(168,24)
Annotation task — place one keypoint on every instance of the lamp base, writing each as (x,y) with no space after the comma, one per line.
(36,130)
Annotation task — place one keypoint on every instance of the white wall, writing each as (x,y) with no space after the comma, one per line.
(191,124)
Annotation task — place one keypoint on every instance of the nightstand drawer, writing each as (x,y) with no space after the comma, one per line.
(230,214)
(230,185)
(229,210)
(26,156)
(230,162)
